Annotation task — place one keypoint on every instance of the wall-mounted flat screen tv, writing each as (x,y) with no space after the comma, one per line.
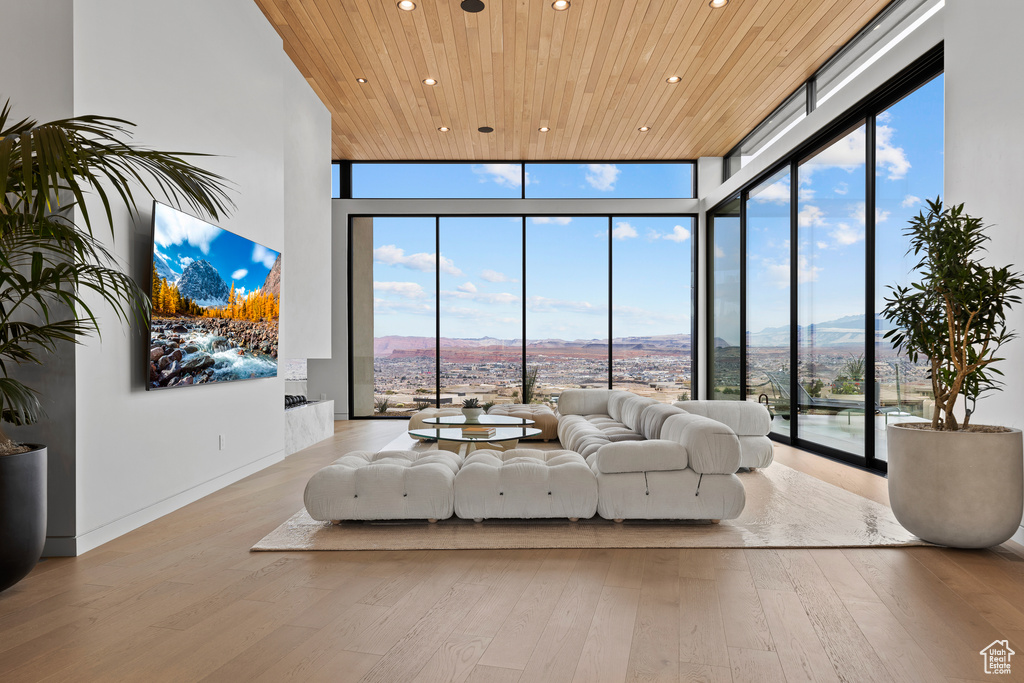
(216,297)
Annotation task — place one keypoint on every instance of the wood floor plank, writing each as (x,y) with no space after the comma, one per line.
(755,666)
(343,666)
(702,673)
(902,656)
(655,652)
(493,674)
(249,664)
(799,651)
(702,637)
(605,654)
(490,612)
(742,615)
(513,645)
(558,649)
(454,661)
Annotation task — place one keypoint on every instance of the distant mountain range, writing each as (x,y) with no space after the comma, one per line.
(406,346)
(839,332)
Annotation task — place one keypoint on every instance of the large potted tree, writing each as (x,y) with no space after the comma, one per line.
(55,273)
(952,481)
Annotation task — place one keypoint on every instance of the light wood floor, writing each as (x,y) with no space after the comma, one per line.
(182,599)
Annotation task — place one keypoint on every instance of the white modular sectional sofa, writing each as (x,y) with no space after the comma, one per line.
(627,457)
(659,461)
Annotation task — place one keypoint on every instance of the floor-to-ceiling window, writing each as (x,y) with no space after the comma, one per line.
(768,297)
(566,303)
(830,294)
(481,313)
(815,262)
(725,329)
(652,289)
(908,171)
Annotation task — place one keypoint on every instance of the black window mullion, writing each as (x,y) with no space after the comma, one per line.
(524,370)
(437,311)
(694,299)
(794,355)
(869,293)
(744,198)
(610,239)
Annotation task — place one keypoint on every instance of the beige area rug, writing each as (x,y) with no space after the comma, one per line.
(785,509)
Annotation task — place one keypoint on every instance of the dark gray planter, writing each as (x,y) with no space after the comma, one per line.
(958,489)
(22,513)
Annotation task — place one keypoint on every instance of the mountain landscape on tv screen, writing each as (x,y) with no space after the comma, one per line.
(216,298)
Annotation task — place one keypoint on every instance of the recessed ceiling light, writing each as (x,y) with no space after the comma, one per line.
(644,129)
(360,80)
(443,129)
(543,129)
(718,4)
(560,5)
(429,81)
(407,5)
(472,6)
(673,79)
(485,129)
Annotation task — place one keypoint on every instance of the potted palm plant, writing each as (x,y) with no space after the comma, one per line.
(54,272)
(952,481)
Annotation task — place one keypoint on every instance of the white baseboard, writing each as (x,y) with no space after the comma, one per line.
(84,542)
(340,416)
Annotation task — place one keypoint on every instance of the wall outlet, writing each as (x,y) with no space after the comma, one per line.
(323,397)
(220,441)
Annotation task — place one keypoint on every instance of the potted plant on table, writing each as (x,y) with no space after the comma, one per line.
(472,410)
(54,273)
(951,481)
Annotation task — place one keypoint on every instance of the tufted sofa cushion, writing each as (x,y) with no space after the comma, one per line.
(543,417)
(364,485)
(524,483)
(646,456)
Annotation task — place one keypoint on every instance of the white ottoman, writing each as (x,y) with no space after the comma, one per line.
(543,417)
(525,483)
(363,485)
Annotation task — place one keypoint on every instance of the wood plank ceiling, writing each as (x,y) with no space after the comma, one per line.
(593,74)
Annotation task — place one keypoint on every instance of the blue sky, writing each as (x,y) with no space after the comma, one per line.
(567,287)
(496,181)
(181,239)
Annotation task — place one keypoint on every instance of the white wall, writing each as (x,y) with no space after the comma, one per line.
(984,148)
(307,202)
(195,76)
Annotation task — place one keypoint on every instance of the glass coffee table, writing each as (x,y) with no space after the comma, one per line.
(452,438)
(485,420)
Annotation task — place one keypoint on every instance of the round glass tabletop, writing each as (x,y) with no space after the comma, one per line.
(487,420)
(455,434)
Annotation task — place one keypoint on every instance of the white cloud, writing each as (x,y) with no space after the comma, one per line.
(848,154)
(495,276)
(860,213)
(239,274)
(719,252)
(841,188)
(260,254)
(894,159)
(805,194)
(845,235)
(624,231)
(678,234)
(556,220)
(173,228)
(386,306)
(602,176)
(778,273)
(186,261)
(506,175)
(910,201)
(821,245)
(394,256)
(811,216)
(467,287)
(776,193)
(406,290)
(483,297)
(542,304)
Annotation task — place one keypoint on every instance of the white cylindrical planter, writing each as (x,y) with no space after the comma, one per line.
(472,414)
(958,489)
